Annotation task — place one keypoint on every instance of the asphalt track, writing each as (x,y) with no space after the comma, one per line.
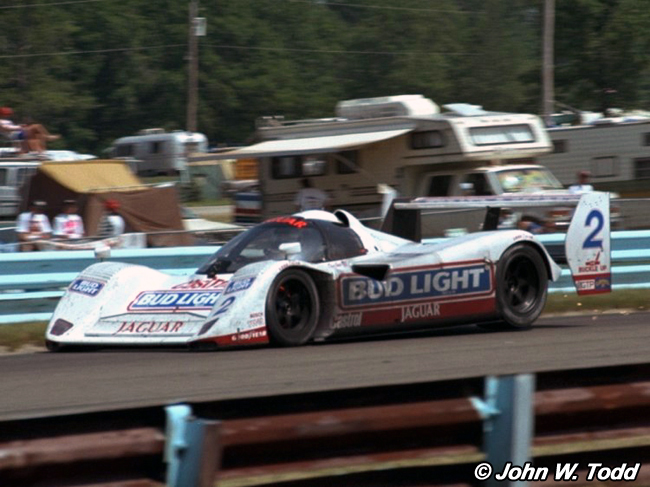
(46,384)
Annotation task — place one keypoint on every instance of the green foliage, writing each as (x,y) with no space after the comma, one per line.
(95,71)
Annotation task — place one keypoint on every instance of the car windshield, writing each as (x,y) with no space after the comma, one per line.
(287,238)
(527,180)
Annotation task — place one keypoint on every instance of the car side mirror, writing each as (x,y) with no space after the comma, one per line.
(290,248)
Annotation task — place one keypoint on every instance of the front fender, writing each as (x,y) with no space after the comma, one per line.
(95,290)
(239,315)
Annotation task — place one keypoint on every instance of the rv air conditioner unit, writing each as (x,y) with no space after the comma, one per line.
(387,106)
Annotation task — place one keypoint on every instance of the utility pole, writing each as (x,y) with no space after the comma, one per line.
(193,68)
(548,34)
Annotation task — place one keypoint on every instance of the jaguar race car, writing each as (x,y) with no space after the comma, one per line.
(315,275)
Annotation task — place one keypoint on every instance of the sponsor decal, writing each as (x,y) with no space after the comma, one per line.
(202,284)
(86,286)
(247,336)
(147,327)
(593,266)
(347,320)
(171,300)
(289,220)
(239,285)
(416,312)
(256,319)
(417,285)
(586,284)
(604,283)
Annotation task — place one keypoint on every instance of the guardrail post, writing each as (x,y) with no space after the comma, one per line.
(508,423)
(192,451)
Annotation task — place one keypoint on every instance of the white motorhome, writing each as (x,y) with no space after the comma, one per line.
(400,141)
(154,151)
(616,150)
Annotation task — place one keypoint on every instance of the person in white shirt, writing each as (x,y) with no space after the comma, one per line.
(33,225)
(582,186)
(69,225)
(112,224)
(309,198)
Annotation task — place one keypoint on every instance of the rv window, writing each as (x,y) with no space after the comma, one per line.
(124,150)
(156,147)
(505,134)
(427,140)
(603,166)
(560,146)
(439,185)
(642,168)
(3,176)
(314,166)
(351,158)
(286,167)
(646,139)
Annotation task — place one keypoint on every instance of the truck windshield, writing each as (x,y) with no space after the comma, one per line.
(527,180)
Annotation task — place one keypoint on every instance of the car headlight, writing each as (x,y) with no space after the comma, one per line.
(60,327)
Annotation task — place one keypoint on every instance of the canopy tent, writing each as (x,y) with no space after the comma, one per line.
(91,183)
(311,145)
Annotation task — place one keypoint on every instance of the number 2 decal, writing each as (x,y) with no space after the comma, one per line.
(591,241)
(225,305)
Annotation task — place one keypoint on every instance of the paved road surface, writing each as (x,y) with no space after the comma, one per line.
(47,384)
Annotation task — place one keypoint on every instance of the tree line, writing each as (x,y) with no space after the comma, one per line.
(95,70)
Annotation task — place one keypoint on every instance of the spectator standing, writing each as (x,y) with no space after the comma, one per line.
(582,186)
(112,224)
(310,198)
(68,224)
(33,225)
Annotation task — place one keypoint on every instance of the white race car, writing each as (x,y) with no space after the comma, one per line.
(315,275)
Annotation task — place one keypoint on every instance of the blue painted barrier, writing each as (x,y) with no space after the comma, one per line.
(33,282)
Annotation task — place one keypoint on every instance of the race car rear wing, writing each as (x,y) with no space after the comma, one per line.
(587,244)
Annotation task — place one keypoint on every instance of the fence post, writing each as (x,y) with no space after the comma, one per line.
(508,425)
(192,451)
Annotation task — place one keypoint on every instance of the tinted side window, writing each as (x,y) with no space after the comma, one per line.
(479,183)
(439,185)
(286,167)
(3,176)
(343,243)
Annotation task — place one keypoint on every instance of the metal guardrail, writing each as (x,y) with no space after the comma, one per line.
(37,278)
(436,433)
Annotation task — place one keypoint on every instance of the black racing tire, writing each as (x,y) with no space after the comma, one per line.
(292,308)
(521,287)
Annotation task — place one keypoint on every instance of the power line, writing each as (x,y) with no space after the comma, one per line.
(384,7)
(340,51)
(98,51)
(70,2)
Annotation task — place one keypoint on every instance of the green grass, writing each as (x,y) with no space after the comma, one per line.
(632,299)
(13,337)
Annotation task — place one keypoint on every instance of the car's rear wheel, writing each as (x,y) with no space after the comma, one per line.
(522,285)
(292,308)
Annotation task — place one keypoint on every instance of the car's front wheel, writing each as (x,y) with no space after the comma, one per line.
(292,308)
(522,285)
